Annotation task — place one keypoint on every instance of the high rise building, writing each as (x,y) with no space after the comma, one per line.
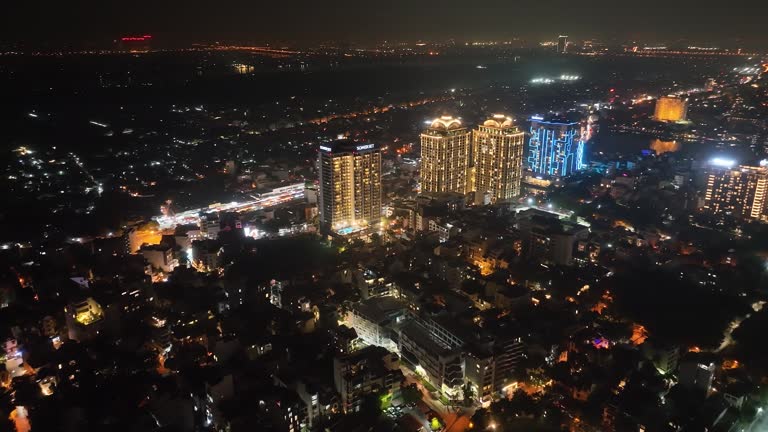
(498,155)
(350,186)
(738,191)
(556,148)
(445,157)
(671,109)
(562,44)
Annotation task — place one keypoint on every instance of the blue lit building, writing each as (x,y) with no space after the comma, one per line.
(556,148)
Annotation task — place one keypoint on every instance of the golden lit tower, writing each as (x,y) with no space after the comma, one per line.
(350,185)
(738,191)
(671,109)
(498,153)
(445,157)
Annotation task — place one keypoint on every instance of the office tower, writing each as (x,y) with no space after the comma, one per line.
(445,153)
(738,191)
(498,153)
(671,109)
(562,44)
(350,186)
(556,148)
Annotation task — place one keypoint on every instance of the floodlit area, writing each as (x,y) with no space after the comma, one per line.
(283,195)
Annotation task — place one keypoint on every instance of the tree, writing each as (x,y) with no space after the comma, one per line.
(480,419)
(435,424)
(468,393)
(370,407)
(410,394)
(522,403)
(376,239)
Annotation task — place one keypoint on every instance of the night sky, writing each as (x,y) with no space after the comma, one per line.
(741,23)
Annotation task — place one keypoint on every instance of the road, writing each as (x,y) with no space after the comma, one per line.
(455,420)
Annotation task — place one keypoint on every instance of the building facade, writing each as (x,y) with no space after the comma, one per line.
(556,148)
(498,156)
(84,319)
(350,185)
(373,320)
(736,191)
(371,370)
(439,363)
(671,109)
(445,157)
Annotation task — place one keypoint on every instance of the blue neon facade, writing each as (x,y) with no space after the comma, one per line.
(555,148)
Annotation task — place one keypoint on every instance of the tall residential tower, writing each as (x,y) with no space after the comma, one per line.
(445,157)
(736,191)
(498,155)
(350,186)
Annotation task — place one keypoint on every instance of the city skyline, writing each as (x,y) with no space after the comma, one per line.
(310,22)
(452,235)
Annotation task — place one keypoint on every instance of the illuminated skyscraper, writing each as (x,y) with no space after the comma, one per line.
(350,185)
(738,191)
(671,109)
(445,153)
(562,44)
(556,148)
(498,154)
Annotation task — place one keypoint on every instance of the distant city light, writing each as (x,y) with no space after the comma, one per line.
(721,162)
(542,81)
(547,80)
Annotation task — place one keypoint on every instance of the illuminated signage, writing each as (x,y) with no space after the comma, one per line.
(136,38)
(364,147)
(537,118)
(324,148)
